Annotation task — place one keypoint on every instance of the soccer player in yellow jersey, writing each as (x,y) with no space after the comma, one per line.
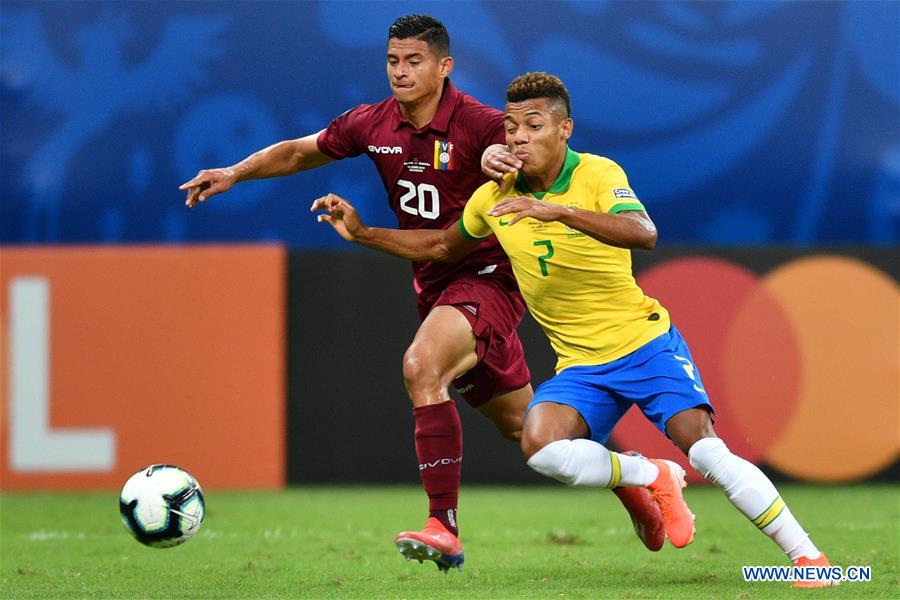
(568,223)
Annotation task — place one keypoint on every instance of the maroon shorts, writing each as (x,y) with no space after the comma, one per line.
(494,309)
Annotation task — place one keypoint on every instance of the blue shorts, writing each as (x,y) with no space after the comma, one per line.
(660,377)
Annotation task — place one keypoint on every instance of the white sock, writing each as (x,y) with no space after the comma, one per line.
(753,494)
(586,463)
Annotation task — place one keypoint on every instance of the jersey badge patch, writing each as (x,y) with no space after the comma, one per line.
(623,193)
(443,155)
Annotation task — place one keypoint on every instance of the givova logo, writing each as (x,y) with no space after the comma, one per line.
(439,462)
(801,364)
(386,149)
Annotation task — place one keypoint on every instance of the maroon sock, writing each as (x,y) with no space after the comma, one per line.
(439,448)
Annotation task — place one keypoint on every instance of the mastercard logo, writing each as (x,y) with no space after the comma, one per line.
(801,364)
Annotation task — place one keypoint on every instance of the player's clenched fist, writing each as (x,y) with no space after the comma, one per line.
(340,214)
(208,182)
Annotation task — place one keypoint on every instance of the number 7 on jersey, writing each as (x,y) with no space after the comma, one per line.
(542,259)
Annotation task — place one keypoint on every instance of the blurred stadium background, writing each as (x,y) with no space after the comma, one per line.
(252,346)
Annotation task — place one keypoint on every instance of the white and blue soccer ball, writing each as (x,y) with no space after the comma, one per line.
(162,506)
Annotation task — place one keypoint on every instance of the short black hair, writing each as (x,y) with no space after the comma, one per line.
(425,28)
(539,85)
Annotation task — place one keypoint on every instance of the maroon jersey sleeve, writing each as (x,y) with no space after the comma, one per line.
(342,138)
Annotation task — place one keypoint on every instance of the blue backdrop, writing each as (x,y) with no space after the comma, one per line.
(737,122)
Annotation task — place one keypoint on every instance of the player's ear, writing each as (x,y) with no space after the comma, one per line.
(566,128)
(446,66)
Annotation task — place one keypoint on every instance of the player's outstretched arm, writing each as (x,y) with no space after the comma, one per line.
(284,158)
(628,229)
(445,245)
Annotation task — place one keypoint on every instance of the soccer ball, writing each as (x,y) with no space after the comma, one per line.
(162,506)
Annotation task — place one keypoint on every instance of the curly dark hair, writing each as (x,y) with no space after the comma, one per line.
(425,28)
(539,85)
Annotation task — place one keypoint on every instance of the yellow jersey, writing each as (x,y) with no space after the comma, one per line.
(579,290)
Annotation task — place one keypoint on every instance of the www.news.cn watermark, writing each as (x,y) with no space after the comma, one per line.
(792,574)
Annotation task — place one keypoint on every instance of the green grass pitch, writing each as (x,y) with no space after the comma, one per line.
(336,542)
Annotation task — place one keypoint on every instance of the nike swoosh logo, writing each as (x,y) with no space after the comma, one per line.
(503,223)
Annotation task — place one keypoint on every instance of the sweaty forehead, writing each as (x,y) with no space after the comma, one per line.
(407,47)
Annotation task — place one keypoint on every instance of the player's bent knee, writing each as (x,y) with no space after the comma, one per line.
(416,370)
(530,443)
(548,422)
(536,434)
(535,439)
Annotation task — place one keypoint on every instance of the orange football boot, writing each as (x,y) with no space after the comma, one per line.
(666,492)
(645,516)
(822,561)
(434,542)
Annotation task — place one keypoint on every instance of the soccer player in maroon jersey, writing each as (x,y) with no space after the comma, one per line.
(426,142)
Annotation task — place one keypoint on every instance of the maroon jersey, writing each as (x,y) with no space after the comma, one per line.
(429,173)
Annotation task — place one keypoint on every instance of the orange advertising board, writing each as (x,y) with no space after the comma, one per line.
(116,357)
